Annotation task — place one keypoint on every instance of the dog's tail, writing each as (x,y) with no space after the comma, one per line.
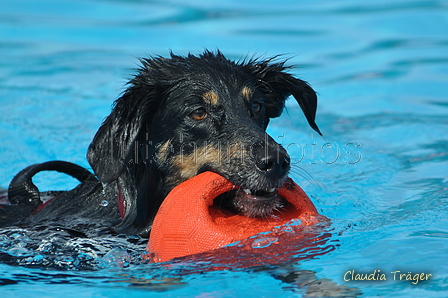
(22,191)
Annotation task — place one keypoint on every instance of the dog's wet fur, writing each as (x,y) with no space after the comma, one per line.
(178,117)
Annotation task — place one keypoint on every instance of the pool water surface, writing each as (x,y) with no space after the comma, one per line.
(379,173)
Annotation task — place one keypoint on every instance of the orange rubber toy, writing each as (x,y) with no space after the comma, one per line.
(188,223)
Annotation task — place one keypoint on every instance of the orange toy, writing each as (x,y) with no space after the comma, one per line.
(188,223)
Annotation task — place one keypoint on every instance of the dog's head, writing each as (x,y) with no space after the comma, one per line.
(181,116)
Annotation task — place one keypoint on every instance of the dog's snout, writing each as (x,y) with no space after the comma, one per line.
(275,164)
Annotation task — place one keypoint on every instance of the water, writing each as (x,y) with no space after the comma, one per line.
(380,174)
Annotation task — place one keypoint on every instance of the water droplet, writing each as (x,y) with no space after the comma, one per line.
(116,258)
(20,252)
(294,222)
(287,229)
(38,258)
(104,203)
(263,242)
(104,188)
(275,230)
(152,257)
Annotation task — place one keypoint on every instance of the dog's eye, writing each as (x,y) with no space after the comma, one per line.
(198,114)
(256,107)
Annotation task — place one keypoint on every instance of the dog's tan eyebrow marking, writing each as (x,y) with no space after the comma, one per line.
(247,93)
(210,97)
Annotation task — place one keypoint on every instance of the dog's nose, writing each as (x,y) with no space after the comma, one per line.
(275,164)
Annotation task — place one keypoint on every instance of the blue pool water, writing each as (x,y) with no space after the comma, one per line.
(380,174)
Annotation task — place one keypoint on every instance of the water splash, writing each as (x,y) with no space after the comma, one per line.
(19,252)
(116,258)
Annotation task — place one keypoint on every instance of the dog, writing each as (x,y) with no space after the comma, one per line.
(179,116)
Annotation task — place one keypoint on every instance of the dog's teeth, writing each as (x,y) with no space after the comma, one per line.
(270,189)
(247,190)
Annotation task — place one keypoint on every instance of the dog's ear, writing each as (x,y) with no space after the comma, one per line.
(113,146)
(277,85)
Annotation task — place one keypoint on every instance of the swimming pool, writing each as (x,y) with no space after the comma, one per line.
(380,174)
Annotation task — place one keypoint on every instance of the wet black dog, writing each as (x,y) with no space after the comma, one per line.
(179,116)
